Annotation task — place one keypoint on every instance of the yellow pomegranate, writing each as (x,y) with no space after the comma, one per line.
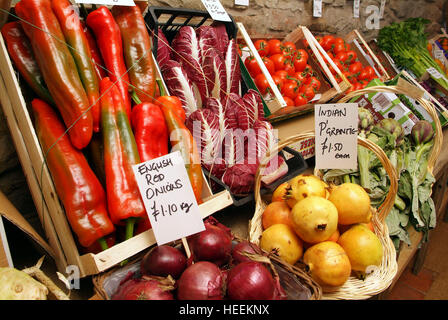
(303,186)
(352,203)
(328,264)
(314,219)
(280,192)
(362,246)
(282,239)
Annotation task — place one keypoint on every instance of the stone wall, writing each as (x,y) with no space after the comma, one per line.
(262,17)
(278,17)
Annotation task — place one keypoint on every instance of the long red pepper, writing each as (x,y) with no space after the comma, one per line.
(108,37)
(19,49)
(95,52)
(79,47)
(137,51)
(120,153)
(58,68)
(80,191)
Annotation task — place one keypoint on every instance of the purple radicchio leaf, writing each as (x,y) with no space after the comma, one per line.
(208,40)
(223,37)
(233,72)
(163,49)
(215,72)
(251,110)
(179,85)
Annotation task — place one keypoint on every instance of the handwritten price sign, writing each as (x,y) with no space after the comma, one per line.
(216,10)
(336,128)
(168,197)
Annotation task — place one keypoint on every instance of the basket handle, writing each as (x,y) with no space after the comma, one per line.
(415,94)
(385,207)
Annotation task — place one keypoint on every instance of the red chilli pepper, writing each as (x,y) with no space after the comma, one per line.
(120,153)
(77,186)
(19,49)
(108,37)
(95,52)
(137,51)
(58,68)
(79,47)
(150,130)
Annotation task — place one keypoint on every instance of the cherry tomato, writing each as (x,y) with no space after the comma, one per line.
(352,79)
(269,65)
(371,72)
(338,64)
(351,55)
(355,67)
(252,66)
(290,90)
(279,81)
(262,83)
(308,92)
(262,47)
(327,42)
(279,61)
(358,86)
(300,62)
(289,101)
(281,73)
(300,100)
(315,83)
(301,77)
(274,46)
(338,47)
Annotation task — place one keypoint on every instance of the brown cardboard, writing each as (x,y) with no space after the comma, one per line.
(9,212)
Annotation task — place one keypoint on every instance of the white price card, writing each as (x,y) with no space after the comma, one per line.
(129,3)
(242,2)
(216,10)
(168,197)
(336,129)
(435,73)
(356,4)
(317,8)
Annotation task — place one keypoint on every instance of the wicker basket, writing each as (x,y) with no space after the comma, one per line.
(380,279)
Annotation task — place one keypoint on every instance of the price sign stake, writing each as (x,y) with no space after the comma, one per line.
(336,129)
(169,198)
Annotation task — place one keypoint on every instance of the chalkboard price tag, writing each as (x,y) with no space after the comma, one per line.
(216,10)
(129,3)
(336,129)
(168,197)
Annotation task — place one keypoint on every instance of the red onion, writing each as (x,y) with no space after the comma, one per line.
(142,289)
(214,244)
(251,280)
(163,261)
(242,247)
(202,280)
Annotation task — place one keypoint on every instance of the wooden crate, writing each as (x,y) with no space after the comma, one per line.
(330,88)
(50,210)
(366,55)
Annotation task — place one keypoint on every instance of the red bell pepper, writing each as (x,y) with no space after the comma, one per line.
(19,49)
(137,51)
(150,130)
(78,188)
(58,68)
(120,153)
(79,47)
(108,38)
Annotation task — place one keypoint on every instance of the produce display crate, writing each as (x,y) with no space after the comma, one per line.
(366,55)
(330,88)
(170,20)
(15,102)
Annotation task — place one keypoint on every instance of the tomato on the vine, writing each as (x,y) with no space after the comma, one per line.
(281,73)
(355,67)
(338,47)
(262,47)
(315,83)
(328,42)
(339,40)
(279,61)
(352,79)
(351,55)
(300,62)
(289,67)
(302,53)
(290,90)
(289,101)
(279,81)
(300,100)
(301,77)
(338,64)
(274,46)
(371,72)
(262,83)
(252,66)
(288,47)
(269,65)
(308,92)
(363,75)
(343,57)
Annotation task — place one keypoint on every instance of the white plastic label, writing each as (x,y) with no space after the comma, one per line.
(356,4)
(336,130)
(216,10)
(108,2)
(168,197)
(242,2)
(317,8)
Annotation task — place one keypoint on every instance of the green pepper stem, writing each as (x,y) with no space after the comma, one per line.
(135,97)
(129,233)
(103,243)
(161,87)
